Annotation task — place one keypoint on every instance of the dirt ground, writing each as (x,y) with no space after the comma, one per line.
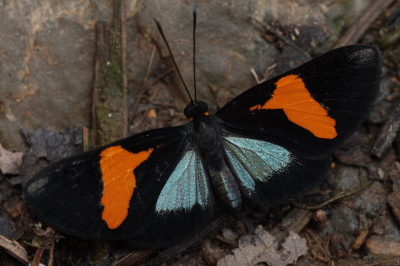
(47,72)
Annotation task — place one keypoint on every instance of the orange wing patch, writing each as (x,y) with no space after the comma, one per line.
(119,182)
(300,107)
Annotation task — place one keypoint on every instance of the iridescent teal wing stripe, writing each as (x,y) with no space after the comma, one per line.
(184,203)
(256,160)
(269,173)
(187,186)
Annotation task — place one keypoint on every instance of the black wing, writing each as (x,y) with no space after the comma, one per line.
(278,136)
(151,187)
(312,108)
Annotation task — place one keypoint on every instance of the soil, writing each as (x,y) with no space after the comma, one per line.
(46,78)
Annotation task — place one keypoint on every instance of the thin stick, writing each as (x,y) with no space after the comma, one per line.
(335,198)
(354,33)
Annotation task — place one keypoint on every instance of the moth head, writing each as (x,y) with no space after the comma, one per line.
(195,109)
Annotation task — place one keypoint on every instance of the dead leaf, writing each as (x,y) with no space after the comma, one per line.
(10,162)
(380,246)
(263,247)
(45,238)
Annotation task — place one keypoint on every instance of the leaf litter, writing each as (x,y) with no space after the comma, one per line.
(263,247)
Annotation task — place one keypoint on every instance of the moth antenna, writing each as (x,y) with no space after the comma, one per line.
(172,57)
(194,53)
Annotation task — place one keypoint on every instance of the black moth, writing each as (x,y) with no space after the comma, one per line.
(270,144)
